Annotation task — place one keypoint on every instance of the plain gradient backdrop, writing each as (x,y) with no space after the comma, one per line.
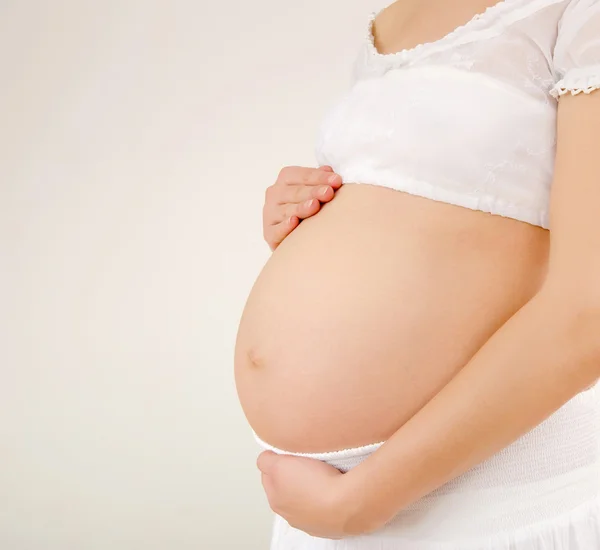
(137,138)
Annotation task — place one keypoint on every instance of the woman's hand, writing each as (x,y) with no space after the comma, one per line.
(297,194)
(311,496)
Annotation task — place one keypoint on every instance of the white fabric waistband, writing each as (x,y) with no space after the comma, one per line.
(344,460)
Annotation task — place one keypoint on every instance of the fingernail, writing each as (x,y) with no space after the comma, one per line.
(309,203)
(333,178)
(323,190)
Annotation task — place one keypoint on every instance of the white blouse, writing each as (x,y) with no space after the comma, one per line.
(469,119)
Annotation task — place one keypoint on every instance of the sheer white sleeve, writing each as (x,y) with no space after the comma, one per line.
(577,50)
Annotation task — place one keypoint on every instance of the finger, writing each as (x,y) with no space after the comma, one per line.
(326,168)
(276,233)
(324,193)
(299,175)
(284,215)
(334,180)
(265,461)
(319,177)
(305,209)
(294,194)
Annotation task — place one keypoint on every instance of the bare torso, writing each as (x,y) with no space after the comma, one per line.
(366,310)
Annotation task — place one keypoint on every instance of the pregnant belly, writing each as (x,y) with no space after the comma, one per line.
(369,308)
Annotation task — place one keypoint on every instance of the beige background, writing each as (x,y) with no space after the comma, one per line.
(136,141)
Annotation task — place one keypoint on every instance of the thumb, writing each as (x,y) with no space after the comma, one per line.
(266,460)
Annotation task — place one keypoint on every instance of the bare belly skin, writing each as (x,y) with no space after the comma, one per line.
(369,308)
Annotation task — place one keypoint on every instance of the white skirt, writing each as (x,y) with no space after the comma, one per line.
(540,493)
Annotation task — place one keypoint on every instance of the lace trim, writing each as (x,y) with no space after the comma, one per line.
(487,24)
(353,452)
(576,81)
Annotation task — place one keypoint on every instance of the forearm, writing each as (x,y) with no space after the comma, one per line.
(538,360)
